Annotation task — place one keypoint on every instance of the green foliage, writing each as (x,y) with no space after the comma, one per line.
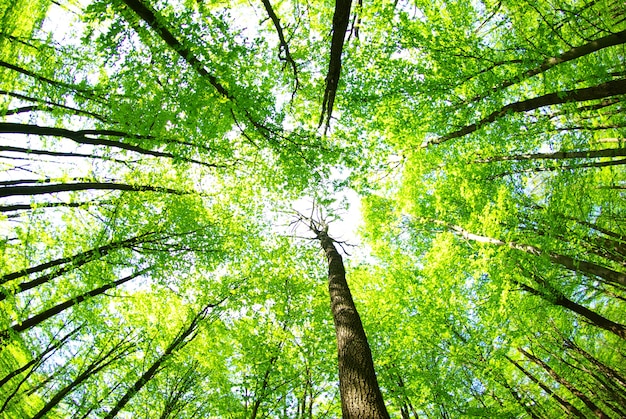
(483,140)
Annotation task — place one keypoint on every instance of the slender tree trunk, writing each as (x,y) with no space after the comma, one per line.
(568,262)
(558,155)
(82,186)
(612,374)
(33,364)
(157,24)
(360,394)
(184,336)
(87,137)
(520,400)
(557,298)
(260,395)
(571,54)
(118,351)
(52,311)
(72,263)
(583,397)
(608,89)
(341,19)
(569,408)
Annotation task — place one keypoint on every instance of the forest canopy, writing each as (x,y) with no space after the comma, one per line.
(178,177)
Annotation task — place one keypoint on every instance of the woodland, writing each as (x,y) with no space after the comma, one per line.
(188,187)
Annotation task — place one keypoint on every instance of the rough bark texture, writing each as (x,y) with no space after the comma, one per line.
(358,386)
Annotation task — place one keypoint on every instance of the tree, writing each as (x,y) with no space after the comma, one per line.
(358,385)
(152,153)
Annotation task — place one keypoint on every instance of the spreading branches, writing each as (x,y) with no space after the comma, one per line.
(318,222)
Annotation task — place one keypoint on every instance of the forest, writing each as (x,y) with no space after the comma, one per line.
(312,209)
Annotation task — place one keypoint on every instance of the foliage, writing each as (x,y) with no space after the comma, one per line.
(150,150)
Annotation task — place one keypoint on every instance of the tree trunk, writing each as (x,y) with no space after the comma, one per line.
(341,19)
(117,352)
(608,89)
(360,394)
(555,297)
(82,186)
(558,155)
(182,338)
(568,262)
(52,311)
(87,137)
(571,54)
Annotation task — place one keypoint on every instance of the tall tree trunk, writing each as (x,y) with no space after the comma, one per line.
(88,137)
(82,186)
(117,352)
(571,54)
(600,91)
(360,394)
(557,155)
(71,262)
(182,338)
(555,297)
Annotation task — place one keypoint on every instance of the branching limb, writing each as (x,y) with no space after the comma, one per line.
(284,46)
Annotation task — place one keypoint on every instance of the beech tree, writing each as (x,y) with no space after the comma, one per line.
(153,153)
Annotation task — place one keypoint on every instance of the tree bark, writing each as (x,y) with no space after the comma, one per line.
(559,155)
(568,262)
(360,394)
(182,338)
(117,352)
(86,137)
(341,19)
(571,54)
(82,186)
(79,258)
(557,298)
